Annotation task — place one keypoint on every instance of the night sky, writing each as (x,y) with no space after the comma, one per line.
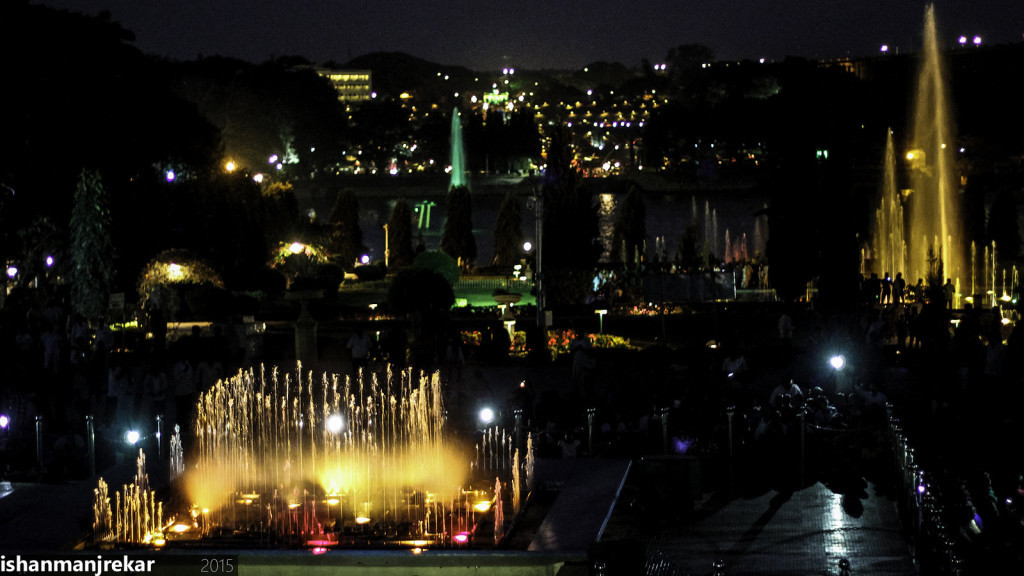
(544,33)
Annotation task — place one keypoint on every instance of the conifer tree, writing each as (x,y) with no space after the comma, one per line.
(346,238)
(400,235)
(457,239)
(508,232)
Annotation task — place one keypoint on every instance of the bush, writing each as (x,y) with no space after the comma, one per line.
(370,272)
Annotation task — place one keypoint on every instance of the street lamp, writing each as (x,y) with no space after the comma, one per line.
(600,319)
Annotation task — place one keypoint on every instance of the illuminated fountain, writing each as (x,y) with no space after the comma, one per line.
(458,154)
(890,246)
(291,460)
(934,228)
(299,460)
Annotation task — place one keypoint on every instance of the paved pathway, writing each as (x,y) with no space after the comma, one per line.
(806,532)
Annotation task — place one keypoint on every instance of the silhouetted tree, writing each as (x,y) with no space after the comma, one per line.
(426,298)
(92,267)
(346,238)
(400,235)
(630,236)
(508,232)
(570,242)
(457,239)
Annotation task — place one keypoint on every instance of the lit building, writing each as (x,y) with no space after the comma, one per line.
(352,85)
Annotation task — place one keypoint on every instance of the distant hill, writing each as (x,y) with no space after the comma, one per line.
(397,72)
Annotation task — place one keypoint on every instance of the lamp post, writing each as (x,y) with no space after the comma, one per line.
(538,274)
(600,319)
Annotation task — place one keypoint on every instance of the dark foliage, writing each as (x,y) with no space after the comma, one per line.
(457,239)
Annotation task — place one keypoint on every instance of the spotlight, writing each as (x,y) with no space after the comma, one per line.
(486,416)
(335,423)
(837,362)
(132,437)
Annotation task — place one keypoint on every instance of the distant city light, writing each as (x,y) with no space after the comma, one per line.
(885,48)
(49,261)
(962,40)
(977,40)
(170,175)
(273,159)
(12,271)
(257,178)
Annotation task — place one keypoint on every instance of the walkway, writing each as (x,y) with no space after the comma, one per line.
(807,532)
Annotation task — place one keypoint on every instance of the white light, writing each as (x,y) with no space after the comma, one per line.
(884,48)
(837,362)
(527,246)
(132,437)
(365,259)
(4,421)
(486,416)
(257,178)
(296,247)
(169,175)
(12,271)
(49,261)
(335,423)
(273,159)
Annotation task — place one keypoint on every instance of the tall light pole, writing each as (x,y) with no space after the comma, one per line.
(538,275)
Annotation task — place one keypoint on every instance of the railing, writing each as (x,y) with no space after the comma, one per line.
(922,509)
